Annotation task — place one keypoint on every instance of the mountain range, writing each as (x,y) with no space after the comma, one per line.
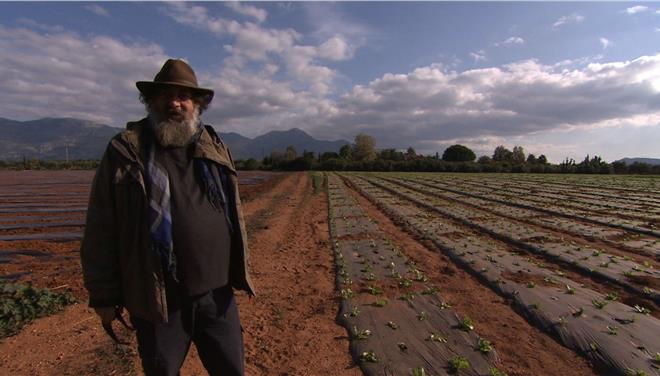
(59,138)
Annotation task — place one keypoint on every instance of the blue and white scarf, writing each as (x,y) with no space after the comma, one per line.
(160,214)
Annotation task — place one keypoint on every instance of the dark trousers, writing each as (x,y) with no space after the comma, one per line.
(210,320)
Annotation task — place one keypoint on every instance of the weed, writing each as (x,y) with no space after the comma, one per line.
(600,304)
(382,302)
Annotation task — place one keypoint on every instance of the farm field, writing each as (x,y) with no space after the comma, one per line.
(576,259)
(385,274)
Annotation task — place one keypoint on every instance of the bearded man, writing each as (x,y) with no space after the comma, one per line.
(165,237)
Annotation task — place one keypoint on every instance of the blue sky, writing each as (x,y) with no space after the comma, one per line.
(560,79)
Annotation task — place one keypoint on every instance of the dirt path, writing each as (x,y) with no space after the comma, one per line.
(289,328)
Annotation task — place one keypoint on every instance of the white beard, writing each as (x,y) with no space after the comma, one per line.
(174,132)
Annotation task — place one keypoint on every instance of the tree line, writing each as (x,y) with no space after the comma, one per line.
(362,155)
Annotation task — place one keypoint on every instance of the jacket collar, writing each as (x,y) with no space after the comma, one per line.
(208,146)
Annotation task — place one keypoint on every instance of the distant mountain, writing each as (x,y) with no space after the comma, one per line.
(49,138)
(651,161)
(261,146)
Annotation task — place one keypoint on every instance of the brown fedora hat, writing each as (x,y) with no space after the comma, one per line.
(174,73)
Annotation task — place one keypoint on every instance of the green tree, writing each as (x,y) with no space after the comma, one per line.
(345,152)
(502,154)
(518,154)
(458,153)
(531,158)
(290,153)
(364,148)
(542,159)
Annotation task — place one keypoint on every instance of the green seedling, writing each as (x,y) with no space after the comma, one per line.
(405,283)
(408,297)
(536,305)
(402,346)
(643,310)
(370,277)
(612,330)
(422,316)
(612,296)
(347,293)
(419,372)
(531,285)
(382,302)
(392,325)
(466,324)
(435,337)
(361,334)
(353,312)
(493,371)
(375,290)
(635,372)
(430,291)
(369,356)
(600,304)
(458,363)
(484,346)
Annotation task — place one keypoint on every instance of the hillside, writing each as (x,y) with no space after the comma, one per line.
(53,138)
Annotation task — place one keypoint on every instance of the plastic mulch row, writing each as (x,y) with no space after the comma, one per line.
(397,321)
(616,337)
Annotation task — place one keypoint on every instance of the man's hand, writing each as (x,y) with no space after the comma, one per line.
(107,314)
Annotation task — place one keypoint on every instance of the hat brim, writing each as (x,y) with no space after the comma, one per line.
(147,88)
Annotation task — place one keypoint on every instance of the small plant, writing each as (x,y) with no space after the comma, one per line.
(600,304)
(444,305)
(458,363)
(484,346)
(570,290)
(466,324)
(531,285)
(635,372)
(419,372)
(402,346)
(536,305)
(422,316)
(409,296)
(435,337)
(643,310)
(579,312)
(612,330)
(493,371)
(382,302)
(352,313)
(392,325)
(347,293)
(369,356)
(405,283)
(370,277)
(612,296)
(430,291)
(375,290)
(361,334)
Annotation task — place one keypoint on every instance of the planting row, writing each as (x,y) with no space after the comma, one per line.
(616,337)
(398,322)
(623,271)
(613,236)
(640,219)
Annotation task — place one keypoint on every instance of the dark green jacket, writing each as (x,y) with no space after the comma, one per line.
(118,266)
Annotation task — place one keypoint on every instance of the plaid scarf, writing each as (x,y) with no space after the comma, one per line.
(212,179)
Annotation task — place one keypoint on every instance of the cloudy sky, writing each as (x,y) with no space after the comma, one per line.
(560,79)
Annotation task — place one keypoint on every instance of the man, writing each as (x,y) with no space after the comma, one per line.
(165,236)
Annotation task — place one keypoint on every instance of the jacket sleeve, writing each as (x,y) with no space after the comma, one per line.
(99,250)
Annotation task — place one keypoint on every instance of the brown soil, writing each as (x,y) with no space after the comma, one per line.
(523,349)
(289,327)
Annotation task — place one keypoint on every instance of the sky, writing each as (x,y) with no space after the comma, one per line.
(562,79)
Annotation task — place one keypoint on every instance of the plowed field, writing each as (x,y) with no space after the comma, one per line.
(385,274)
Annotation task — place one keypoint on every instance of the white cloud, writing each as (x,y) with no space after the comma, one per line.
(62,74)
(605,42)
(97,9)
(247,10)
(572,18)
(637,9)
(478,55)
(510,41)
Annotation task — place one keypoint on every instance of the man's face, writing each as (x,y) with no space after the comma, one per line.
(173,104)
(175,116)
